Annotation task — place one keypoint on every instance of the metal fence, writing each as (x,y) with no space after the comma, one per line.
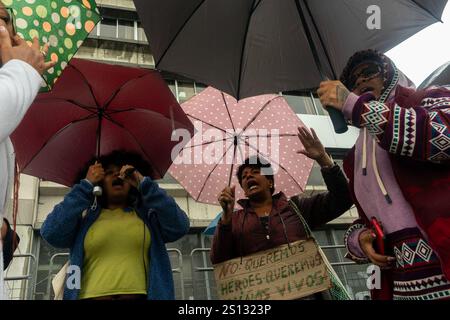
(202,282)
(28,279)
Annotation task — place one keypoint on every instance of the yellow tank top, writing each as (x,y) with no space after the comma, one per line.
(116,259)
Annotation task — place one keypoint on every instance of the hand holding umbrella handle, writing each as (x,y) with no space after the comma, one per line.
(226,201)
(337,118)
(331,94)
(95,174)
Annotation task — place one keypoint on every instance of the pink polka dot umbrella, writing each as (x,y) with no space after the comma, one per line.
(228,132)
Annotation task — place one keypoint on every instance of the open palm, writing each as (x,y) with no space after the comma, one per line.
(313,148)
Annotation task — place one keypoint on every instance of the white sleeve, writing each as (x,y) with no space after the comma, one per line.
(19,85)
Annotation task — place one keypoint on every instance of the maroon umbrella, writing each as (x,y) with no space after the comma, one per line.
(94,109)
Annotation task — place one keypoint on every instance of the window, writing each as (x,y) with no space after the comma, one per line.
(300,104)
(199,87)
(171,84)
(141,36)
(126,29)
(185,91)
(108,28)
(321,110)
(315,178)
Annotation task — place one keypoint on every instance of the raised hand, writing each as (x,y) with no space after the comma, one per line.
(129,174)
(95,173)
(33,55)
(313,148)
(226,201)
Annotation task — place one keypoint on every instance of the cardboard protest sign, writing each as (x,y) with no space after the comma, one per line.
(281,273)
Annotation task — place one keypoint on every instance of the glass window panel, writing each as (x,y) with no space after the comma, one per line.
(126,29)
(320,109)
(171,84)
(300,104)
(141,33)
(199,87)
(315,178)
(185,91)
(108,28)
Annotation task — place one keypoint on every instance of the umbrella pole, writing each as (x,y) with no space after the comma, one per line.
(235,143)
(98,191)
(99,132)
(337,118)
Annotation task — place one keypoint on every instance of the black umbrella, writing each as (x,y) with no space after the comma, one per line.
(251,47)
(439,77)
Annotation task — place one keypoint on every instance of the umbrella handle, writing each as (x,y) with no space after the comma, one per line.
(337,118)
(97,191)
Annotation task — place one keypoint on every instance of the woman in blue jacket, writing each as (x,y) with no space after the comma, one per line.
(117,247)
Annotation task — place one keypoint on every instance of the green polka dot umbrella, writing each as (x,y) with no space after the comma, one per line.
(63,24)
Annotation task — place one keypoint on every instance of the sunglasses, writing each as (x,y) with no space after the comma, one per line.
(9,18)
(371,71)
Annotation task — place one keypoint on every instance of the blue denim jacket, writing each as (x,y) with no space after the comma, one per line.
(65,227)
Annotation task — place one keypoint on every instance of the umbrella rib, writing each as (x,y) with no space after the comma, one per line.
(256,6)
(120,89)
(134,138)
(210,173)
(241,153)
(90,109)
(55,135)
(272,135)
(271,160)
(427,10)
(232,165)
(87,83)
(124,110)
(205,143)
(322,43)
(137,109)
(258,113)
(209,124)
(243,48)
(228,110)
(178,32)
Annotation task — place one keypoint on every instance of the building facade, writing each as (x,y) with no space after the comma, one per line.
(120,39)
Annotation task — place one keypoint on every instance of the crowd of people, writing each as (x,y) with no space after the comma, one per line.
(397,175)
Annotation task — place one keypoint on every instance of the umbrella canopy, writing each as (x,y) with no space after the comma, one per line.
(439,77)
(93,110)
(63,24)
(252,47)
(228,132)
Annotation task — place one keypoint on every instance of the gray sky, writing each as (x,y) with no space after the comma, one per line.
(424,52)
